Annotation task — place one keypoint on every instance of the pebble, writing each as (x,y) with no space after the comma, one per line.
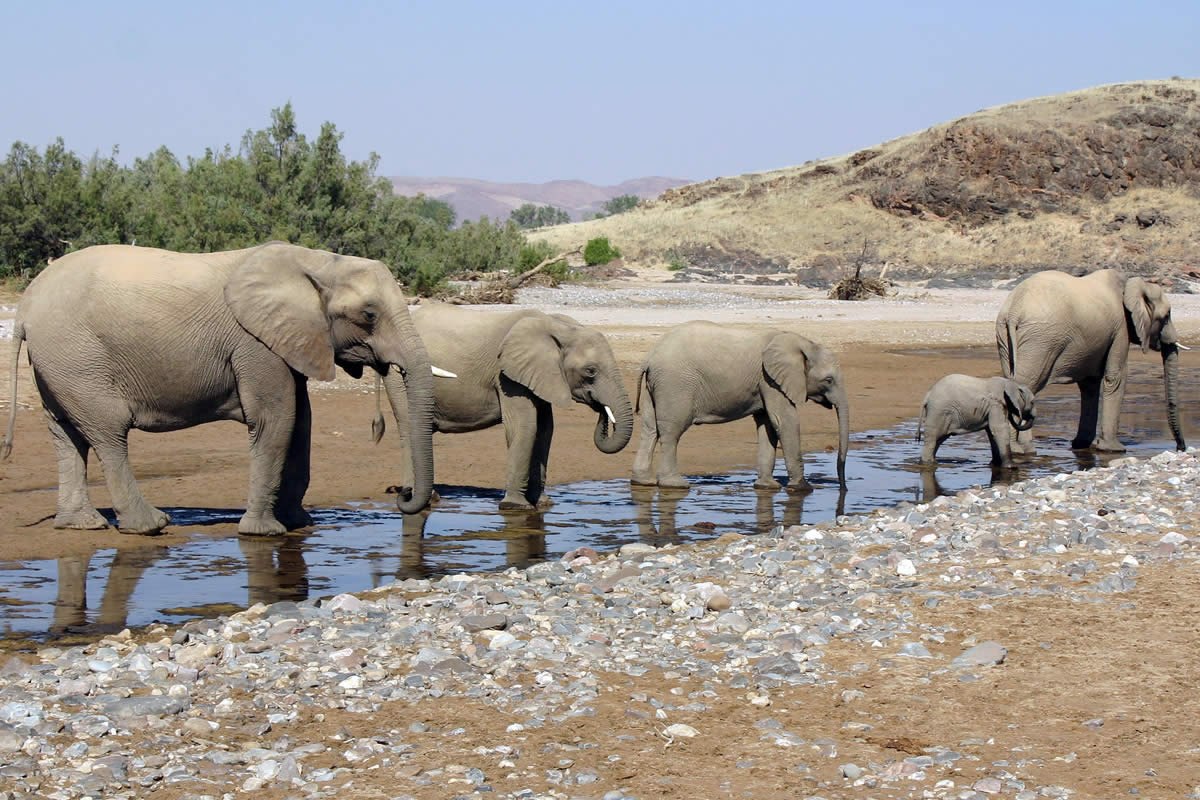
(122,717)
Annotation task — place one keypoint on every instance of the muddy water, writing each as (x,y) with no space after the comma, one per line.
(358,548)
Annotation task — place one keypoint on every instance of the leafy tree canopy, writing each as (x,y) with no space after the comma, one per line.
(535,216)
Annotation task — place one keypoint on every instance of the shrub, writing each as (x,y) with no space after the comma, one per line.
(599,251)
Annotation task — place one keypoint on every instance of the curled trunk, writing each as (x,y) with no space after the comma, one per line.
(612,436)
(1170,359)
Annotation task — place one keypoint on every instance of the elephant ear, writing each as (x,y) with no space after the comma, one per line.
(531,356)
(1013,396)
(275,298)
(1138,306)
(785,360)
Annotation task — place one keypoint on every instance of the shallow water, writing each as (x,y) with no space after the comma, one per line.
(357,548)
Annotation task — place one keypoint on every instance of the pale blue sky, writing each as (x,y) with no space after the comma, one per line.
(535,91)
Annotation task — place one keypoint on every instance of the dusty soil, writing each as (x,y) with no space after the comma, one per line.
(1133,662)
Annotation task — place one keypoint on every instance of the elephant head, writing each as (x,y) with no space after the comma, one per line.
(315,309)
(1019,405)
(561,361)
(1148,318)
(807,371)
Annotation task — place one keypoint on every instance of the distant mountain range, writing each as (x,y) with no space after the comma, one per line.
(473,199)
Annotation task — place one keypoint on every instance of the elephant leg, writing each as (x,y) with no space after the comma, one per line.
(782,417)
(134,514)
(269,407)
(1112,394)
(519,412)
(1089,407)
(669,433)
(539,461)
(642,474)
(75,509)
(70,606)
(998,437)
(768,443)
(289,508)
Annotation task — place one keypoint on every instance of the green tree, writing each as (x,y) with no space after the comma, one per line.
(621,204)
(531,215)
(599,251)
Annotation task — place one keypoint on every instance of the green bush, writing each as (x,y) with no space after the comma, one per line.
(599,251)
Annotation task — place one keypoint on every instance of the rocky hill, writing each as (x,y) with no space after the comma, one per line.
(473,199)
(1108,176)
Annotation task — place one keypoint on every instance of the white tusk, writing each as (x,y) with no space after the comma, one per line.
(1182,346)
(611,418)
(441,373)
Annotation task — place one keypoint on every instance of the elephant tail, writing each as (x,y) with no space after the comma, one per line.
(637,398)
(921,420)
(1006,345)
(7,443)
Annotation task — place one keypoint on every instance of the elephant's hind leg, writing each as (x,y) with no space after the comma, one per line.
(1089,409)
(643,462)
(669,433)
(134,514)
(75,509)
(539,462)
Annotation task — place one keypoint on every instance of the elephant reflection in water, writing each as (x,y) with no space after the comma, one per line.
(524,536)
(71,607)
(666,530)
(930,489)
(275,570)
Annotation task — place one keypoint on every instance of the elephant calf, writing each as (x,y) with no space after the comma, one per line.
(702,373)
(959,404)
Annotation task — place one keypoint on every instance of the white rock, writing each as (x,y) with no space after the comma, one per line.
(681,731)
(906,568)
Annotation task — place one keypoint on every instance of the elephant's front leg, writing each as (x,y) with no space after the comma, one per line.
(998,432)
(783,417)
(519,412)
(1112,394)
(270,411)
(539,462)
(1089,409)
(289,508)
(768,443)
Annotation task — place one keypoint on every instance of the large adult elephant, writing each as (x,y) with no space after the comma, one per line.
(513,367)
(1058,328)
(126,337)
(702,373)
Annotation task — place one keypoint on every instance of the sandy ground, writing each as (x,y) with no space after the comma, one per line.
(1132,662)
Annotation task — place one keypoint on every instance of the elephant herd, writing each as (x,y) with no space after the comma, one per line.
(123,338)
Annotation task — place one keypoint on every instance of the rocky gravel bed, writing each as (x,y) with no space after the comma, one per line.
(751,615)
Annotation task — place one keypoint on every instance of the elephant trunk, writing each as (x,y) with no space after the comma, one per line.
(1170,359)
(418,388)
(842,407)
(613,440)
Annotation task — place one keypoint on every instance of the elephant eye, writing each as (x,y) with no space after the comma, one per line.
(369,316)
(589,372)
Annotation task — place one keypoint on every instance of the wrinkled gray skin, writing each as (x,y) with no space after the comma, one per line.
(701,373)
(133,337)
(513,368)
(1057,328)
(959,404)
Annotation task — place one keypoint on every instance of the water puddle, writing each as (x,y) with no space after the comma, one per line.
(366,546)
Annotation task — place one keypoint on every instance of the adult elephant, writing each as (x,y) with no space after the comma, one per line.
(513,367)
(126,337)
(702,373)
(1058,328)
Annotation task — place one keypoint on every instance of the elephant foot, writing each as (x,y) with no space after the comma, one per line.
(260,525)
(643,479)
(673,482)
(767,483)
(1028,449)
(295,518)
(1109,446)
(86,519)
(515,502)
(800,486)
(149,521)
(544,502)
(405,494)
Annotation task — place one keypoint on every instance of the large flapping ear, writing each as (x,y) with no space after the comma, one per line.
(1137,304)
(531,356)
(275,298)
(785,360)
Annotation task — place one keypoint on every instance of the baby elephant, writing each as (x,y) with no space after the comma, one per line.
(965,404)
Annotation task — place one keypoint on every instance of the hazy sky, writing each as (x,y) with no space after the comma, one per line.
(533,91)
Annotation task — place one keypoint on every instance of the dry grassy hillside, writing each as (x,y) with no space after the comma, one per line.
(1108,176)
